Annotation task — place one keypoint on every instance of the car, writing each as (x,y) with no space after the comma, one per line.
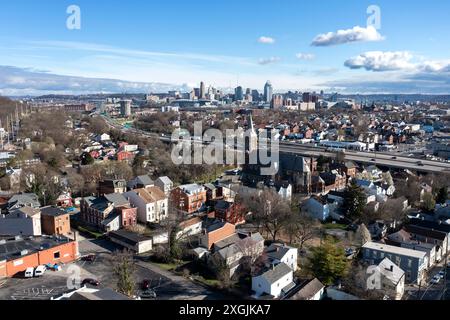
(148,294)
(145,285)
(436,279)
(420,164)
(373,160)
(394,158)
(29,273)
(39,271)
(91,282)
(441,274)
(89,258)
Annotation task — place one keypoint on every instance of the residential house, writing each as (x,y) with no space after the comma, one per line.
(278,253)
(189,198)
(435,226)
(216,232)
(108,213)
(55,221)
(413,262)
(139,182)
(430,236)
(151,202)
(320,207)
(405,239)
(275,282)
(235,249)
(312,290)
(112,186)
(64,200)
(190,227)
(18,201)
(229,212)
(165,184)
(388,279)
(25,221)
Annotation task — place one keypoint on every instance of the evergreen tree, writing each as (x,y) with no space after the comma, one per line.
(328,262)
(355,201)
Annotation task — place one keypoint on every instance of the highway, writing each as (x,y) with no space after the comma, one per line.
(389,160)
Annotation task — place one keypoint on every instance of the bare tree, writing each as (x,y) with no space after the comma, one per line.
(301,228)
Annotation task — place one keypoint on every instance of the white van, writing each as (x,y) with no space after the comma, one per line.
(29,273)
(39,271)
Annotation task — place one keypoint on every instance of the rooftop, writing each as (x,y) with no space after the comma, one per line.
(394,250)
(11,249)
(276,273)
(52,211)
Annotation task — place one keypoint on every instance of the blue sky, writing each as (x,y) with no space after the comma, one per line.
(295,44)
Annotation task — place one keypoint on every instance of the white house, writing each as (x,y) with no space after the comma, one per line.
(279,253)
(103,138)
(190,227)
(276,282)
(389,278)
(317,208)
(25,221)
(152,204)
(165,184)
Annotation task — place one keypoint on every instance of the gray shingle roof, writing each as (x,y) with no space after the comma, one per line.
(278,272)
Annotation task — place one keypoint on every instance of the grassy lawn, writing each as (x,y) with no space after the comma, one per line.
(170,266)
(209,282)
(94,234)
(329,226)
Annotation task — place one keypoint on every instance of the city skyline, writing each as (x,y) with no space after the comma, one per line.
(322,47)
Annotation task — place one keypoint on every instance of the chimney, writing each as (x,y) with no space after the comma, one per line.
(392,268)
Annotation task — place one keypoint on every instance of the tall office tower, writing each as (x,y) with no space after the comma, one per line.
(239,94)
(125,108)
(307,97)
(202,90)
(255,95)
(268,92)
(197,93)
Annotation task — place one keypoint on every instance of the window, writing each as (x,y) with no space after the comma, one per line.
(57,255)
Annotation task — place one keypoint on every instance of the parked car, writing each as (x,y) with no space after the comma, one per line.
(441,274)
(148,294)
(29,273)
(39,271)
(89,258)
(436,279)
(91,282)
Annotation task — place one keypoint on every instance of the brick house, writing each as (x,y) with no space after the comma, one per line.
(229,212)
(55,221)
(108,213)
(112,186)
(216,232)
(189,198)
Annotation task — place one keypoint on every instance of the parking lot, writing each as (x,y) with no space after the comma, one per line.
(166,285)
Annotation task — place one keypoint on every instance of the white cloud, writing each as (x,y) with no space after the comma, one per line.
(305,56)
(266,61)
(266,40)
(382,61)
(356,34)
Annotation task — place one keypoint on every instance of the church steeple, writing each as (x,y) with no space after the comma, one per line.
(253,142)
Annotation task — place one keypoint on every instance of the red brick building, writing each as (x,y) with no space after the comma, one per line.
(189,198)
(36,252)
(229,212)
